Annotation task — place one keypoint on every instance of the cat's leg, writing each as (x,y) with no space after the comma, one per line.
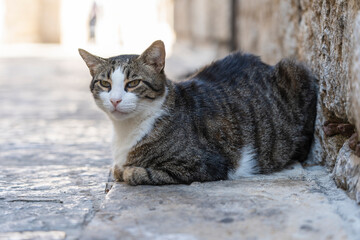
(115,175)
(148,176)
(118,173)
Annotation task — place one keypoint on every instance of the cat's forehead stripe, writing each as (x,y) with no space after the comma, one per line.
(117,77)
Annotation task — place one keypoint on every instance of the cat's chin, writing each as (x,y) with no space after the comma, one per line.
(118,115)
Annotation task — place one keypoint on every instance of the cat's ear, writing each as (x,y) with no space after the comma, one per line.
(154,56)
(93,62)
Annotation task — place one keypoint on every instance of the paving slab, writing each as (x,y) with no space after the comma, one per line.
(293,204)
(54,149)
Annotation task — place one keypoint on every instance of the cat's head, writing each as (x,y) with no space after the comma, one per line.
(127,85)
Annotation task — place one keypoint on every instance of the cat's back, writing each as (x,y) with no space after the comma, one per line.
(271,108)
(226,82)
(245,76)
(231,69)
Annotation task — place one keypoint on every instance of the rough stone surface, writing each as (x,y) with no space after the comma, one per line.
(346,171)
(293,204)
(325,36)
(355,80)
(34,235)
(54,149)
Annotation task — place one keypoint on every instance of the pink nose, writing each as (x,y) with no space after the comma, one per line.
(115,102)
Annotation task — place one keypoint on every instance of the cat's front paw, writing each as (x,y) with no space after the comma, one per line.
(135,175)
(118,173)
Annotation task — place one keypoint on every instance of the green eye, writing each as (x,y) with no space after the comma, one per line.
(133,84)
(105,84)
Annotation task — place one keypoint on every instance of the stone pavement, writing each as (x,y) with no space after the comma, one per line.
(54,145)
(293,204)
(54,159)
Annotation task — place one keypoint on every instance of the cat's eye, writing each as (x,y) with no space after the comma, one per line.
(133,84)
(105,84)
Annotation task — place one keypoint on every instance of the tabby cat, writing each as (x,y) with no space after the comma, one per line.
(235,117)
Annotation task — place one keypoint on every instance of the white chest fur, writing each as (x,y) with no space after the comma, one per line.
(247,164)
(130,131)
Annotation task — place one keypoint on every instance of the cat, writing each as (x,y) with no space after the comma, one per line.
(234,118)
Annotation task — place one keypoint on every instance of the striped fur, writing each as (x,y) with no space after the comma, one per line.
(236,117)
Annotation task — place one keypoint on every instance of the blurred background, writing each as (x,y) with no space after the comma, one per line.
(196,32)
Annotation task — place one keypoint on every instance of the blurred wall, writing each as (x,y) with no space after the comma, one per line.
(204,23)
(30,21)
(49,21)
(269,28)
(133,25)
(130,25)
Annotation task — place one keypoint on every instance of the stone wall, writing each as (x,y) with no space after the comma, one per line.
(325,34)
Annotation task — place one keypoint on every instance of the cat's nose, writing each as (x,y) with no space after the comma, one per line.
(115,102)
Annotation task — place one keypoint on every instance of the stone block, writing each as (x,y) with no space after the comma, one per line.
(346,172)
(293,204)
(355,80)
